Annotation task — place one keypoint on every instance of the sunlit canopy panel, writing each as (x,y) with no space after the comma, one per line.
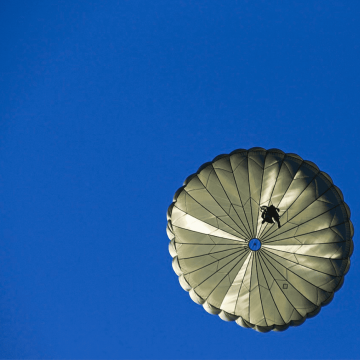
(265,274)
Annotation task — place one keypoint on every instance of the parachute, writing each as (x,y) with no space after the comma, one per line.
(260,237)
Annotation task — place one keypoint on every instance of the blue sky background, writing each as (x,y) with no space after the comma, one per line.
(106,107)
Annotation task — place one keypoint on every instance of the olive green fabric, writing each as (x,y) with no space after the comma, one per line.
(299,265)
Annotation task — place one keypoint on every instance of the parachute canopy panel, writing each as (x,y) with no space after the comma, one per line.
(260,237)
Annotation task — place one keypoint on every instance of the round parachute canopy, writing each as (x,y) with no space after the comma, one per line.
(260,237)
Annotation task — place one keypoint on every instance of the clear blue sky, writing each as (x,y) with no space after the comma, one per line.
(106,107)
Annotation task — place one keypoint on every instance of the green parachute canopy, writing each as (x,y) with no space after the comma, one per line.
(260,237)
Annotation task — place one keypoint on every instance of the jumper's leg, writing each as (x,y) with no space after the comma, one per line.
(278,222)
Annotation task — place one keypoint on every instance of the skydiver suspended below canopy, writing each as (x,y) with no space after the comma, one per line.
(269,213)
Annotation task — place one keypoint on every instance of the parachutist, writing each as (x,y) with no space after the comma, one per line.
(269,213)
